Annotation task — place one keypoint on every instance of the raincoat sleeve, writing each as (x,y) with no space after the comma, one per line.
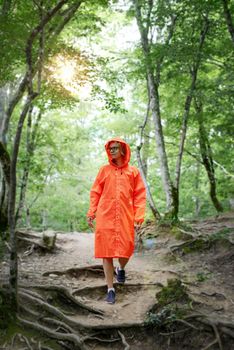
(139,199)
(95,194)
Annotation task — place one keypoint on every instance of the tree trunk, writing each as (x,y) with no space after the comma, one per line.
(30,148)
(34,65)
(187,107)
(4,166)
(142,163)
(207,158)
(197,178)
(4,189)
(228,18)
(3,208)
(152,205)
(11,207)
(155,109)
(28,222)
(145,150)
(6,6)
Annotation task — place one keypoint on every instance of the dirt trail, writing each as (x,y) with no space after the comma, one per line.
(207,273)
(75,250)
(147,270)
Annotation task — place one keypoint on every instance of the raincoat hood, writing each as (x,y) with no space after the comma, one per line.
(125,147)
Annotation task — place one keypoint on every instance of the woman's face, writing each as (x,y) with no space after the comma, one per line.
(114,149)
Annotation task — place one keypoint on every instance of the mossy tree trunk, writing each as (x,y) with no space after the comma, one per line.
(153,81)
(207,157)
(31,79)
(228,18)
(153,73)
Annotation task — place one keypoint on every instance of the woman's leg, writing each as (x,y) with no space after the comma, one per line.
(108,271)
(120,272)
(123,262)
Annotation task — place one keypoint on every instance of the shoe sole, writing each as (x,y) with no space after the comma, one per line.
(122,282)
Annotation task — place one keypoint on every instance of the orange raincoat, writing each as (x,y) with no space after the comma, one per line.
(117,200)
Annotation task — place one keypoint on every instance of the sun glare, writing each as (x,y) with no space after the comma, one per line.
(64,70)
(71,74)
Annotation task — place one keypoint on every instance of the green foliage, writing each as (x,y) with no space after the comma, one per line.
(202,276)
(222,235)
(173,303)
(174,292)
(165,317)
(196,246)
(204,243)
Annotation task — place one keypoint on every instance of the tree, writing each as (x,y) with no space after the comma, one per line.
(49,24)
(145,15)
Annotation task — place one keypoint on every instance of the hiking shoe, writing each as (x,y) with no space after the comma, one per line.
(110,299)
(120,275)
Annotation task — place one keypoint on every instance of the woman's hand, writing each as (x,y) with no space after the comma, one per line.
(90,221)
(137,226)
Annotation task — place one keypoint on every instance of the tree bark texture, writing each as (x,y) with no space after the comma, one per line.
(187,105)
(30,148)
(11,207)
(143,163)
(26,83)
(207,158)
(152,205)
(228,18)
(155,109)
(197,183)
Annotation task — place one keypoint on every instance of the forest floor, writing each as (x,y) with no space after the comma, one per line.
(197,257)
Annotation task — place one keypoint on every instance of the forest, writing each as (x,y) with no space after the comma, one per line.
(76,73)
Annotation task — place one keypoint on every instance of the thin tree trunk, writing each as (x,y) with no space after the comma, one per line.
(142,168)
(4,190)
(153,208)
(145,152)
(3,207)
(144,142)
(30,148)
(4,166)
(31,66)
(228,18)
(11,208)
(207,158)
(188,106)
(197,182)
(155,109)
(6,6)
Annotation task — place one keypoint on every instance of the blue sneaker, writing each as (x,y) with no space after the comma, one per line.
(120,275)
(110,299)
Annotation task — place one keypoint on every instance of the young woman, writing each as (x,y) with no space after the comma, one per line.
(117,202)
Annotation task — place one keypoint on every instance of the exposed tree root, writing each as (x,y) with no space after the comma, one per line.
(29,251)
(45,241)
(45,307)
(21,339)
(217,325)
(86,290)
(50,309)
(65,293)
(94,270)
(188,244)
(196,242)
(126,345)
(74,338)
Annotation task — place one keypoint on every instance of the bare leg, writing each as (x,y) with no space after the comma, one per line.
(108,271)
(123,262)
